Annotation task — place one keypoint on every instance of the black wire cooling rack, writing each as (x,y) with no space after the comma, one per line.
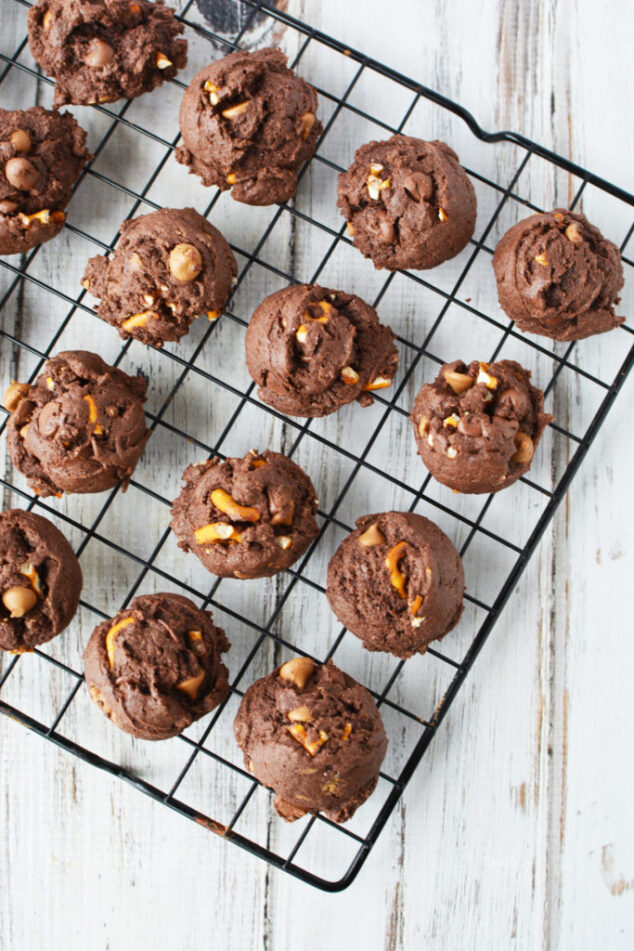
(314,849)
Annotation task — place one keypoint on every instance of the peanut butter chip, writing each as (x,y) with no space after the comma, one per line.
(21,140)
(298,671)
(186,262)
(99,53)
(419,185)
(18,601)
(21,174)
(525,448)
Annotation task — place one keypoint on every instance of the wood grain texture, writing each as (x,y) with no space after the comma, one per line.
(515,831)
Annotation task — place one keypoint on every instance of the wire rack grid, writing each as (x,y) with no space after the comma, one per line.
(200,774)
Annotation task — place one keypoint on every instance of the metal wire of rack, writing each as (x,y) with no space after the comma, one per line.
(472,521)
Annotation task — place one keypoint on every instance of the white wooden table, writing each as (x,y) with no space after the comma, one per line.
(516,830)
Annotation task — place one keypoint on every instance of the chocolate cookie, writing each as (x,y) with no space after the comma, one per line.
(408,203)
(40,581)
(477,426)
(104,50)
(248,123)
(41,155)
(246,518)
(558,276)
(169,267)
(156,667)
(79,428)
(315,736)
(396,582)
(311,350)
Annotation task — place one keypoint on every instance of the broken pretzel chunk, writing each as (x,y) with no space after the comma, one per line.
(256,460)
(459,382)
(301,334)
(111,637)
(195,642)
(573,233)
(378,383)
(139,320)
(307,121)
(423,426)
(442,214)
(451,421)
(191,685)
(285,515)
(392,559)
(228,506)
(213,314)
(414,604)
(234,111)
(13,394)
(542,259)
(162,62)
(216,532)
(283,541)
(347,730)
(18,601)
(375,183)
(29,572)
(300,715)
(485,377)
(371,537)
(298,732)
(349,376)
(212,89)
(45,217)
(525,448)
(350,229)
(231,178)
(298,671)
(325,307)
(92,415)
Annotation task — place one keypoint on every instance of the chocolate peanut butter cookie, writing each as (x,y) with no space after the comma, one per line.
(104,50)
(396,582)
(558,276)
(315,736)
(79,428)
(41,155)
(169,267)
(408,203)
(477,426)
(248,123)
(156,667)
(246,518)
(40,581)
(311,350)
